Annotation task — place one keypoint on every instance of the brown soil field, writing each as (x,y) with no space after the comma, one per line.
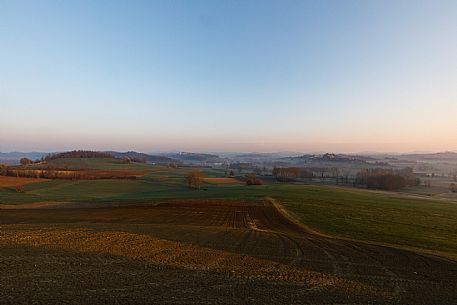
(222,181)
(34,205)
(6,181)
(203,252)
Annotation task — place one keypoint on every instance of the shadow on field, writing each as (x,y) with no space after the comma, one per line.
(237,243)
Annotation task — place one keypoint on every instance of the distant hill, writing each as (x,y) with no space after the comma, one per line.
(197,157)
(329,157)
(440,156)
(18,155)
(142,157)
(257,157)
(132,155)
(254,155)
(12,158)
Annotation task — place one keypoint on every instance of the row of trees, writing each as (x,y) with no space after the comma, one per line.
(52,173)
(387,179)
(291,173)
(286,173)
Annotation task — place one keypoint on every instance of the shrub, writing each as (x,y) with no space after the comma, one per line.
(25,161)
(195,179)
(251,179)
(453,187)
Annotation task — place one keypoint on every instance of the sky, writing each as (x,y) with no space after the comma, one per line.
(228,75)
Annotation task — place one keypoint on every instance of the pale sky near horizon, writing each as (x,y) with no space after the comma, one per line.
(342,76)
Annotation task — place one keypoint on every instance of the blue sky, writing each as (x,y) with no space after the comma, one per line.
(228,75)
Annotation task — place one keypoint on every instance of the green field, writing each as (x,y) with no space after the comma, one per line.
(379,217)
(430,225)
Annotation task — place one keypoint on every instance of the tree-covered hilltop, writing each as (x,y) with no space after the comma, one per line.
(78,154)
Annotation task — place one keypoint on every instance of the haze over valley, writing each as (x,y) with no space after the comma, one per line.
(228,152)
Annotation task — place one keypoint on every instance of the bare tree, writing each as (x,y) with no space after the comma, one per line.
(454,174)
(251,179)
(25,161)
(3,170)
(195,179)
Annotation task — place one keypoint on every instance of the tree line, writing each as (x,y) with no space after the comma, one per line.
(52,173)
(292,173)
(387,179)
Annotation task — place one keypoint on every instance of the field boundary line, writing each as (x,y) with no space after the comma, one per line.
(294,219)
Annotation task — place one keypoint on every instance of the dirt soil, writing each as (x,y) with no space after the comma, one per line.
(7,181)
(203,252)
(33,205)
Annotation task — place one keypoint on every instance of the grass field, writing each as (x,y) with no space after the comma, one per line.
(381,217)
(428,225)
(222,181)
(369,246)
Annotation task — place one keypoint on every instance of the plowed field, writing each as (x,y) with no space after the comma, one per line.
(7,181)
(203,252)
